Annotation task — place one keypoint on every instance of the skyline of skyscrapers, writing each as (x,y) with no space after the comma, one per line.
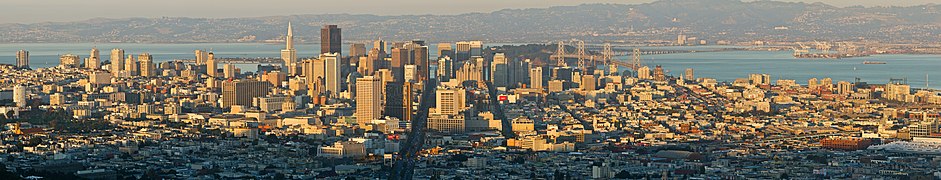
(393,109)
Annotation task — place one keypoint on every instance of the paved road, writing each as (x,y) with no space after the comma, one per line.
(404,168)
(497,109)
(586,124)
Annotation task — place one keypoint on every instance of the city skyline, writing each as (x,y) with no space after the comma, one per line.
(674,89)
(28,12)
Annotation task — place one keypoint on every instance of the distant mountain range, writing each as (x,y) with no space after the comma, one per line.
(731,20)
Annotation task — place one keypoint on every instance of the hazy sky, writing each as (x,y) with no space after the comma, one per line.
(32,11)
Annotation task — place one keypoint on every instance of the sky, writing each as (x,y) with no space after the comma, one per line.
(35,11)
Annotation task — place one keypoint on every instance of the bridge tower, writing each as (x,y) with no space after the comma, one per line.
(581,56)
(635,60)
(607,55)
(560,55)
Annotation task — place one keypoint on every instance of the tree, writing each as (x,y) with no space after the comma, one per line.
(4,174)
(279,176)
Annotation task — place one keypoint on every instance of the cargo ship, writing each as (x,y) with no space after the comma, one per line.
(873,62)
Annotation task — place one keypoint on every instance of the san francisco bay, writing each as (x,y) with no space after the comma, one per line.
(721,65)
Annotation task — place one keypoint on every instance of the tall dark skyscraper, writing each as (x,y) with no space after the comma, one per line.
(330,39)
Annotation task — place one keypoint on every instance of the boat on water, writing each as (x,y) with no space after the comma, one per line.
(873,62)
(828,56)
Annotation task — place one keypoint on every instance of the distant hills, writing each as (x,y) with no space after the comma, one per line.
(712,20)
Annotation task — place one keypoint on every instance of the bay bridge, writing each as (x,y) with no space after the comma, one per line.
(585,59)
(264,60)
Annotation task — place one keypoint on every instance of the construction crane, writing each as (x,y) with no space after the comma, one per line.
(822,46)
(801,49)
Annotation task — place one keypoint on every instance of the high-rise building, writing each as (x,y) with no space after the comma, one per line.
(844,88)
(332,78)
(147,68)
(201,56)
(826,83)
(759,79)
(658,73)
(289,54)
(99,77)
(315,71)
(446,123)
(399,58)
(212,67)
(444,49)
(411,73)
(368,99)
(117,61)
(358,49)
(535,78)
(330,39)
(94,60)
(56,99)
(450,101)
(228,71)
(558,85)
(241,92)
(896,91)
(131,66)
(644,73)
(274,77)
(445,69)
(519,72)
(407,100)
(472,70)
(398,44)
(462,51)
(19,96)
(588,83)
(564,73)
(372,62)
(689,74)
(500,71)
(812,83)
(22,59)
(394,99)
(69,60)
(476,48)
(420,58)
(380,45)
